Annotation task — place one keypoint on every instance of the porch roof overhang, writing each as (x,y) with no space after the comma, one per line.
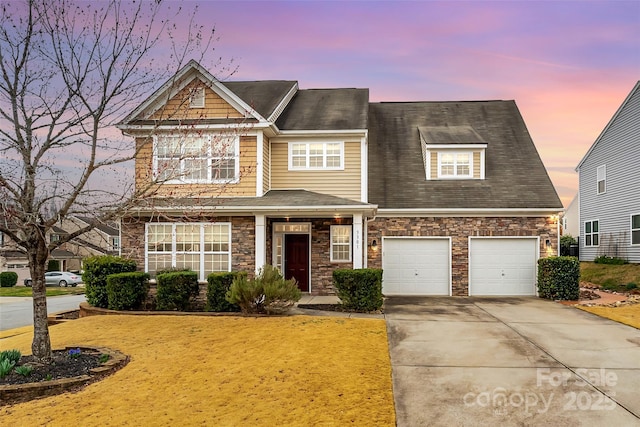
(282,203)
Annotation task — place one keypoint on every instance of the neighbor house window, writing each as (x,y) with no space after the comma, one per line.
(196,158)
(591,233)
(316,155)
(196,98)
(340,243)
(55,238)
(203,248)
(635,229)
(602,179)
(455,165)
(115,243)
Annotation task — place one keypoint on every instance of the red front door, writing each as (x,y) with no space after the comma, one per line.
(296,259)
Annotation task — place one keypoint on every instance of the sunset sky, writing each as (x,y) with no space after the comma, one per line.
(567,64)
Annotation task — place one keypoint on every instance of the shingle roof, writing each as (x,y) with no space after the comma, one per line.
(263,96)
(271,199)
(326,109)
(515,175)
(450,135)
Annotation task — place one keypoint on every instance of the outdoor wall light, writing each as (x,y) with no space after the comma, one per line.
(374,244)
(547,243)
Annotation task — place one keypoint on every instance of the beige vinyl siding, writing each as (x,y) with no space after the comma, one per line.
(341,183)
(246,186)
(476,165)
(266,170)
(434,164)
(214,106)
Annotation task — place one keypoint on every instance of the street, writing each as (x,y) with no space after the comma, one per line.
(16,312)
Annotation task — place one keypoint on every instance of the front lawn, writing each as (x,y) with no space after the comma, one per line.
(230,370)
(21,291)
(627,314)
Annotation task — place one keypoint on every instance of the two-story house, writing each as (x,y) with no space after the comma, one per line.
(609,187)
(449,198)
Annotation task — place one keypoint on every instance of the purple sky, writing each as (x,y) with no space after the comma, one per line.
(568,64)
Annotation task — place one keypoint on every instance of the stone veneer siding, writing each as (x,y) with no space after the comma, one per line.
(242,239)
(459,229)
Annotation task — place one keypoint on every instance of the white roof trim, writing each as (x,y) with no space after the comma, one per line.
(454,146)
(266,210)
(283,103)
(606,128)
(213,83)
(462,212)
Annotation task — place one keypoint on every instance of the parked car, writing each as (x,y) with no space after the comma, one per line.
(58,278)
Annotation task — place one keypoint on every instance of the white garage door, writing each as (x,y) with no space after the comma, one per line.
(502,266)
(416,266)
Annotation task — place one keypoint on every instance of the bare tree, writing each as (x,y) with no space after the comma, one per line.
(70,72)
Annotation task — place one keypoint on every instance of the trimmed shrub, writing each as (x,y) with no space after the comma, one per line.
(127,291)
(96,270)
(53,265)
(268,293)
(218,284)
(610,260)
(566,241)
(359,290)
(177,290)
(559,278)
(8,279)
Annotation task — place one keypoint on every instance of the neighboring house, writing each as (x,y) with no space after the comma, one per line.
(571,218)
(449,198)
(609,187)
(103,239)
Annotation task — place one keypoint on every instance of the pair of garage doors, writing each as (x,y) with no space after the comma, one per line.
(422,266)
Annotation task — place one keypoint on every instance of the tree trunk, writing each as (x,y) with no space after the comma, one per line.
(41,345)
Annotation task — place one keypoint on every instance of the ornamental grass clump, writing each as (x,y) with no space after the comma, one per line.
(269,292)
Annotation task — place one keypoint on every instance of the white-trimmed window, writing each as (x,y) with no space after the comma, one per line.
(602,179)
(115,243)
(340,243)
(202,247)
(455,164)
(316,156)
(196,158)
(592,233)
(635,229)
(196,98)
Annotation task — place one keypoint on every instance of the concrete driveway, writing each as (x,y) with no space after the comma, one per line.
(461,361)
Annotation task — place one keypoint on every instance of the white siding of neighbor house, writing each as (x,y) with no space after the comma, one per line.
(618,147)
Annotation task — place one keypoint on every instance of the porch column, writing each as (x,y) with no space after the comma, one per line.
(261,242)
(357,241)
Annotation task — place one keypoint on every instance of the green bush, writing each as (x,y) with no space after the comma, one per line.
(127,291)
(11,355)
(559,278)
(177,290)
(610,260)
(631,286)
(96,270)
(218,284)
(566,241)
(268,293)
(53,265)
(8,279)
(359,290)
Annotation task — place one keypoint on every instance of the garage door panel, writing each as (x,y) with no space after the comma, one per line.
(502,266)
(415,266)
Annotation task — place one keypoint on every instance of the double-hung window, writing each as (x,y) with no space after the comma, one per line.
(201,247)
(455,165)
(602,179)
(196,158)
(340,243)
(591,233)
(635,229)
(316,156)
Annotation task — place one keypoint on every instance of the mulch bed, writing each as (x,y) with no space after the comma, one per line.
(334,307)
(62,366)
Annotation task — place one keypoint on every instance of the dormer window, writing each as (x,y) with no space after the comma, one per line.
(452,152)
(196,98)
(455,164)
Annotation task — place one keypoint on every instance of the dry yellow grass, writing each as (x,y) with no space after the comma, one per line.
(628,314)
(223,371)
